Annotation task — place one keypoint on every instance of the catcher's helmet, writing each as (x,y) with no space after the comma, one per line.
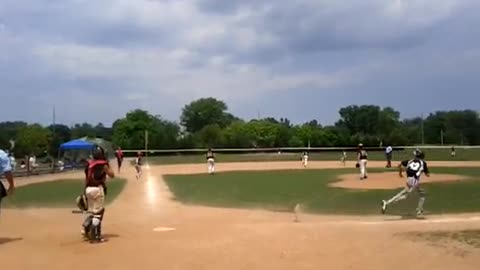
(82,202)
(98,153)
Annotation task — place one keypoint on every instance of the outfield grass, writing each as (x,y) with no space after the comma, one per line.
(60,193)
(282,190)
(431,154)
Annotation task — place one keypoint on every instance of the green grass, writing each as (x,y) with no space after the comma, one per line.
(431,154)
(60,193)
(281,190)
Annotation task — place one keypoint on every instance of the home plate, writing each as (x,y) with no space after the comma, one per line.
(163,229)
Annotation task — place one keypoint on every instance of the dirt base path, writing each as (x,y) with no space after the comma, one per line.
(218,239)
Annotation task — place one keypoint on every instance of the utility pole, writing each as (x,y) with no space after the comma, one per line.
(423,132)
(441,136)
(146,145)
(54,136)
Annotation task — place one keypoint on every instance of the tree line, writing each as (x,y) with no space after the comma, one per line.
(207,122)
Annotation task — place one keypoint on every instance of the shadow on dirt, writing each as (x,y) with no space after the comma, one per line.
(111,235)
(6,240)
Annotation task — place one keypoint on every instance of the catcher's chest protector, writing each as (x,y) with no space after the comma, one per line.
(95,174)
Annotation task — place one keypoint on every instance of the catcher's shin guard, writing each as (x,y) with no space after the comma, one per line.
(96,230)
(87,224)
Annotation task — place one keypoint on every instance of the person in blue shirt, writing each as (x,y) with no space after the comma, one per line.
(6,170)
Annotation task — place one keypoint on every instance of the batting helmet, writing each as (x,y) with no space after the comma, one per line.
(418,153)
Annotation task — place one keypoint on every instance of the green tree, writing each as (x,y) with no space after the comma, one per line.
(203,112)
(264,133)
(458,127)
(211,136)
(59,134)
(103,132)
(8,131)
(238,135)
(83,130)
(32,139)
(368,123)
(129,132)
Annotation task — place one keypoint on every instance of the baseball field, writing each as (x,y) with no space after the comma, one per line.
(251,214)
(433,154)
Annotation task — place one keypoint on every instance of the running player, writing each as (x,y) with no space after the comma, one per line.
(138,164)
(415,168)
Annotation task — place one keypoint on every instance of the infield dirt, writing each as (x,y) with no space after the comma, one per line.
(219,239)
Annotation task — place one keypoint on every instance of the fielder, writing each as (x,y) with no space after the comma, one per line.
(388,155)
(362,160)
(305,159)
(414,167)
(93,199)
(138,164)
(210,161)
(6,170)
(343,158)
(453,154)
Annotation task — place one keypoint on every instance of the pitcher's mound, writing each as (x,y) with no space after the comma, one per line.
(389,180)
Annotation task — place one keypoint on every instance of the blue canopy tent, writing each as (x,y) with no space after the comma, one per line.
(77,145)
(75,153)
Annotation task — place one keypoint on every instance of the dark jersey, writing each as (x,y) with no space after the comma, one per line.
(415,167)
(362,154)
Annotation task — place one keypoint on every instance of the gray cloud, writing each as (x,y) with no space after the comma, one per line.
(96,60)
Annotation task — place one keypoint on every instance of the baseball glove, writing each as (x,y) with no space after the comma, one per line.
(82,203)
(357,165)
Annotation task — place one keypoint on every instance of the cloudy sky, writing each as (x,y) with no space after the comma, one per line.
(302,59)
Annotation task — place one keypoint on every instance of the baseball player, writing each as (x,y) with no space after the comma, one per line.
(343,158)
(305,159)
(138,164)
(388,155)
(6,170)
(96,174)
(119,156)
(362,160)
(453,154)
(210,161)
(415,168)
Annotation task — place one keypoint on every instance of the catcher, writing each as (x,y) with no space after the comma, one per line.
(93,199)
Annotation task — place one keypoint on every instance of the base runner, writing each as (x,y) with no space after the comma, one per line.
(139,164)
(415,168)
